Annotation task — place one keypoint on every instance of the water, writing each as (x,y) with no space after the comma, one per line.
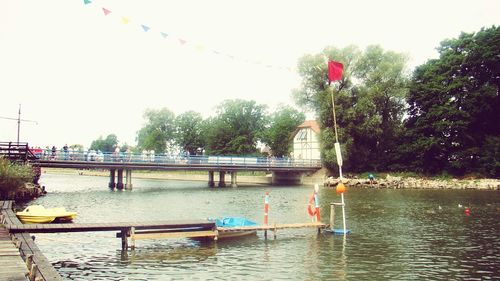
(397,234)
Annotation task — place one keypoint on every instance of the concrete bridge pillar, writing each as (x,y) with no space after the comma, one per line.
(211,182)
(112,178)
(222,179)
(119,176)
(128,174)
(234,179)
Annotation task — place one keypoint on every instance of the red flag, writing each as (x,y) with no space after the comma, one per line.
(335,70)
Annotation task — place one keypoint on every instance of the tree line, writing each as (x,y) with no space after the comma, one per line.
(442,118)
(237,128)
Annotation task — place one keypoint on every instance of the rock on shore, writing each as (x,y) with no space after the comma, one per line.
(416,183)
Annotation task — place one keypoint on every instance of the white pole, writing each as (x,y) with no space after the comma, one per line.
(343,212)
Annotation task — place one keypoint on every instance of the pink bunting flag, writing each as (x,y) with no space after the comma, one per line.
(106,11)
(182,41)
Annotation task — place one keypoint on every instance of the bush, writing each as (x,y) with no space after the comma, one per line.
(13,176)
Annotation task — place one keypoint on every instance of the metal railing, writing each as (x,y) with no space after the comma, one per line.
(138,158)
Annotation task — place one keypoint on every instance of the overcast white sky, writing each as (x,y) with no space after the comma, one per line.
(81,74)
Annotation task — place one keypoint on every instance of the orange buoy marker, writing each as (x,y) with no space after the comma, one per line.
(266,209)
(467,211)
(340,188)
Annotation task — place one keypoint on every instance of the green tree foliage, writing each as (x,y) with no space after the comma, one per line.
(369,104)
(454,107)
(279,134)
(158,131)
(13,176)
(105,145)
(188,134)
(236,128)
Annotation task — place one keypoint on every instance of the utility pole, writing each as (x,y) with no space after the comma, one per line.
(18,123)
(18,119)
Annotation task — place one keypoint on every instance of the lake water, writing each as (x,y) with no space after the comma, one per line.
(396,234)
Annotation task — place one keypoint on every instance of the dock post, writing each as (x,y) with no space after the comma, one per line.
(29,261)
(112,178)
(128,174)
(132,238)
(211,182)
(233,179)
(222,178)
(124,239)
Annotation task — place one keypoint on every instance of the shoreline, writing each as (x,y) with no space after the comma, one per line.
(393,182)
(389,182)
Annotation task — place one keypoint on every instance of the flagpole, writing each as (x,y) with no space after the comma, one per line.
(339,161)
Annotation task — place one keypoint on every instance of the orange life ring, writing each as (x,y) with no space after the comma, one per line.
(310,208)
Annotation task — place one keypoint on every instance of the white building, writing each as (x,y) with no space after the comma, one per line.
(306,141)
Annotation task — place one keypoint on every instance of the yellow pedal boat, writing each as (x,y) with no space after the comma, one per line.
(38,214)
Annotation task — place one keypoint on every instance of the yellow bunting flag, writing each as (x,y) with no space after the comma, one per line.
(125,20)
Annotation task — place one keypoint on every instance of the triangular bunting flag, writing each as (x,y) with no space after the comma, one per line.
(182,41)
(106,11)
(200,48)
(86,2)
(145,28)
(125,20)
(163,34)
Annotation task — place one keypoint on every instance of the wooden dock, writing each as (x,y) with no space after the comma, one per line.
(40,268)
(12,266)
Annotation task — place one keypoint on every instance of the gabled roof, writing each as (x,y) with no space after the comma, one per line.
(307,124)
(310,124)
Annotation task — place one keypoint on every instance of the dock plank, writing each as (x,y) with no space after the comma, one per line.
(12,265)
(188,234)
(84,227)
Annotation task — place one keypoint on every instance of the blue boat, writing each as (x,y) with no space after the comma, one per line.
(338,231)
(234,222)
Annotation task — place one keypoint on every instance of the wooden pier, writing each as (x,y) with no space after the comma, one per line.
(12,265)
(39,268)
(36,265)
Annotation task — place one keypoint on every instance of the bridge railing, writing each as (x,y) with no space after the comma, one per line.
(16,151)
(192,160)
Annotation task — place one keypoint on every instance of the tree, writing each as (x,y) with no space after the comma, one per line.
(105,145)
(236,128)
(188,133)
(454,107)
(369,104)
(158,130)
(279,134)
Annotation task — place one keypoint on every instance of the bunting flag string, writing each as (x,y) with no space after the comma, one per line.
(183,42)
(106,11)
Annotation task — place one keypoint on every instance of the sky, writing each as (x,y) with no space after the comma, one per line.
(80,72)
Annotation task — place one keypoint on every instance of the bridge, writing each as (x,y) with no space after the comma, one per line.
(284,170)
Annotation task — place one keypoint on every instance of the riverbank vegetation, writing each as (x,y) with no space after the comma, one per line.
(13,177)
(442,119)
